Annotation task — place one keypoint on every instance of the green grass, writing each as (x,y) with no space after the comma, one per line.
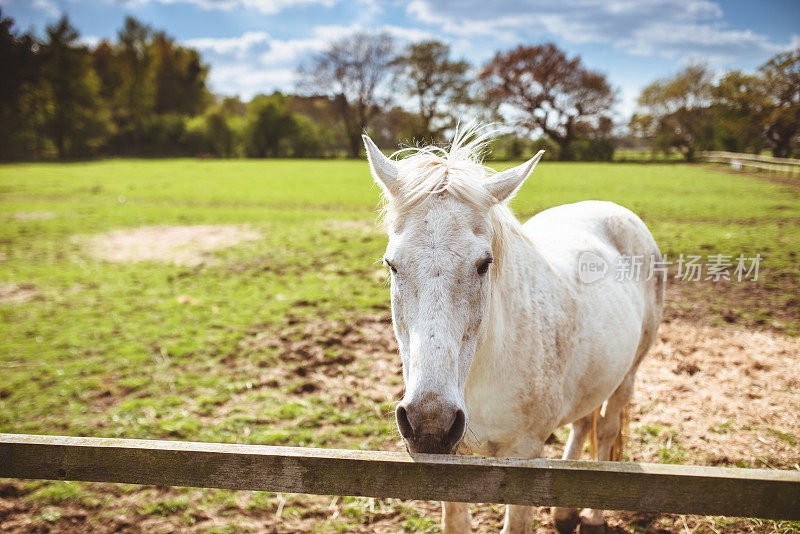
(118,350)
(788,438)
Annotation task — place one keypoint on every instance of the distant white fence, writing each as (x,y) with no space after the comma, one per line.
(739,162)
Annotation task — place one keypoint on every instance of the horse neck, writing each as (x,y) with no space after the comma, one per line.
(513,292)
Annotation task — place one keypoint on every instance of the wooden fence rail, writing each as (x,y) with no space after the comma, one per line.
(762,163)
(608,485)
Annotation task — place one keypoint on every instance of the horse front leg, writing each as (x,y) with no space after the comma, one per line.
(518,518)
(566,519)
(456,518)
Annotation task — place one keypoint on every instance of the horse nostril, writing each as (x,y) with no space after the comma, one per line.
(457,429)
(403,424)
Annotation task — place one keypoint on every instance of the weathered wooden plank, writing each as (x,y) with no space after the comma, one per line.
(540,482)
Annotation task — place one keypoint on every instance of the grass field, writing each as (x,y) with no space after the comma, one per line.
(283,337)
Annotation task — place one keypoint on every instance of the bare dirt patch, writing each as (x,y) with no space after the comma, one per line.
(337,357)
(34,215)
(182,245)
(359,225)
(720,396)
(17,293)
(338,362)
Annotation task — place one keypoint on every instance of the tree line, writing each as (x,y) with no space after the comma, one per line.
(739,112)
(144,94)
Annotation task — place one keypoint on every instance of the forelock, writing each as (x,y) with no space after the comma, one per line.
(457,170)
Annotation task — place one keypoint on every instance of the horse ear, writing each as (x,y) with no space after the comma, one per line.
(504,185)
(384,171)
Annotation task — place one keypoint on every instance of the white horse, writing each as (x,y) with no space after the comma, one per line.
(499,332)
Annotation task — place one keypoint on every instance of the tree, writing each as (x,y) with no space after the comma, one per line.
(179,76)
(426,73)
(75,119)
(548,91)
(394,125)
(739,106)
(108,70)
(308,139)
(351,71)
(675,111)
(19,65)
(219,133)
(55,96)
(323,111)
(135,98)
(782,118)
(269,124)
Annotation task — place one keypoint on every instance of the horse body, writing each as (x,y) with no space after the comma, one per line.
(555,347)
(494,360)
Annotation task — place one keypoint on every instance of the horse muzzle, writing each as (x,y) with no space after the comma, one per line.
(431,425)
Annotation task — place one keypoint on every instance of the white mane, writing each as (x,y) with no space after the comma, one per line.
(457,170)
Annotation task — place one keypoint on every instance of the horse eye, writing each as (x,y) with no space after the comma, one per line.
(484,265)
(389,264)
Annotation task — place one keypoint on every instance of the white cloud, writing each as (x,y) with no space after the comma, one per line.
(238,46)
(405,34)
(501,27)
(90,40)
(243,80)
(251,63)
(256,62)
(291,51)
(665,28)
(48,8)
(334,32)
(714,44)
(266,7)
(627,101)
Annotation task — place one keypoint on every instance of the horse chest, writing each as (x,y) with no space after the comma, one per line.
(499,415)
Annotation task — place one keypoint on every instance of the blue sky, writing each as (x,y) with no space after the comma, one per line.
(254,46)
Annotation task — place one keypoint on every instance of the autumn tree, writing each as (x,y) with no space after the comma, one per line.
(426,73)
(548,91)
(782,117)
(351,71)
(675,112)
